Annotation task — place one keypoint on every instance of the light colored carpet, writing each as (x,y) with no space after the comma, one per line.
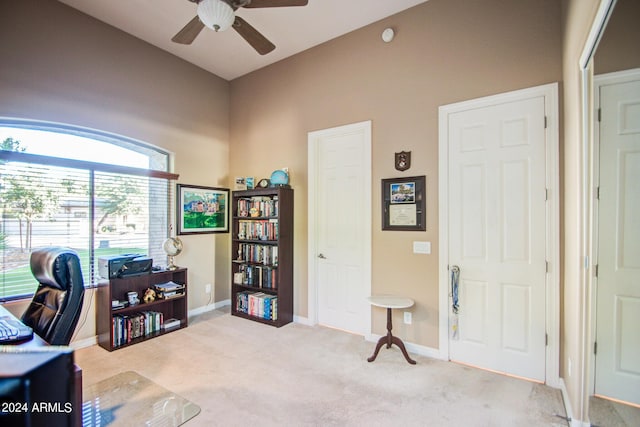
(244,373)
(606,413)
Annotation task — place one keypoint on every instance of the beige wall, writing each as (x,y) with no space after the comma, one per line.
(444,51)
(60,65)
(578,17)
(619,48)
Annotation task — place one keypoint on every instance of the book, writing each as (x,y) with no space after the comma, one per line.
(171,324)
(169,290)
(168,286)
(116,305)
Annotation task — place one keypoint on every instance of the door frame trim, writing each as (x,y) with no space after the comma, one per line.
(599,80)
(365,216)
(552,298)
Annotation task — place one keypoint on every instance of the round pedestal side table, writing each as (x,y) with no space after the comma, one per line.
(390,302)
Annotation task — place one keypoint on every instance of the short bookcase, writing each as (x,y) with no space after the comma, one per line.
(116,289)
(262,255)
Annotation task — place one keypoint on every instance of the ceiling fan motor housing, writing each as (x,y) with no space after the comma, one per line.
(216,14)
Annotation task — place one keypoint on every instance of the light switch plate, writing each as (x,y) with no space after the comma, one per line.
(407,317)
(421,247)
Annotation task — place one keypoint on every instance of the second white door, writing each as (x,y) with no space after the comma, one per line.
(340,168)
(618,298)
(497,229)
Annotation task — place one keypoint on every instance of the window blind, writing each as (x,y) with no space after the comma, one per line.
(97,210)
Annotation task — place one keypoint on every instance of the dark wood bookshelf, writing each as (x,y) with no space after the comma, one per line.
(116,289)
(283,243)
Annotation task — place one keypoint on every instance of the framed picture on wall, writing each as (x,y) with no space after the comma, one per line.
(404,204)
(202,209)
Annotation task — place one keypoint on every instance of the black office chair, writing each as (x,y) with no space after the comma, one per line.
(55,308)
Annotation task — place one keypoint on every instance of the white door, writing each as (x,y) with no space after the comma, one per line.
(340,225)
(497,235)
(618,281)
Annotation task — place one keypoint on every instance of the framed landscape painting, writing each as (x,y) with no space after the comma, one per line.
(202,209)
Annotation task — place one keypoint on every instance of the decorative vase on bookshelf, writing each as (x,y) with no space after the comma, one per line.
(262,268)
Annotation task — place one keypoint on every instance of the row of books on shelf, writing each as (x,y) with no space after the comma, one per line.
(258,205)
(266,229)
(129,327)
(257,275)
(257,304)
(258,254)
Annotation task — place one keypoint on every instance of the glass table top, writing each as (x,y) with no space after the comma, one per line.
(129,399)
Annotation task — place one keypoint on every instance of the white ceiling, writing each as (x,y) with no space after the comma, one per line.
(226,54)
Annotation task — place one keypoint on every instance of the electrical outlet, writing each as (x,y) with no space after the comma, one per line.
(407,317)
(207,288)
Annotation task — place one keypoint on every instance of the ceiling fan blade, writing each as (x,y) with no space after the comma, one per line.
(275,3)
(190,31)
(253,37)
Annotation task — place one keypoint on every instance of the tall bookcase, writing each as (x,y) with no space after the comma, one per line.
(161,310)
(262,255)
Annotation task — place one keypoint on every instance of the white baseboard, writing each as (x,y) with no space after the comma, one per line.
(209,307)
(302,320)
(412,348)
(567,407)
(87,342)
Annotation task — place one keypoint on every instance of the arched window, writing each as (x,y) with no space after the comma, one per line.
(97,193)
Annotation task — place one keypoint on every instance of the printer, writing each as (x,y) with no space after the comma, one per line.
(126,265)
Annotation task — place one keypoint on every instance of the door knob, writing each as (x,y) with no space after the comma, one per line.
(321,256)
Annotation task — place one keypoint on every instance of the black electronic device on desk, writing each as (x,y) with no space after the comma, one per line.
(13,331)
(127,265)
(37,386)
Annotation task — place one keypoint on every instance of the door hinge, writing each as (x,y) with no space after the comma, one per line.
(545,122)
(596,268)
(599,114)
(597,193)
(546,340)
(546,266)
(546,194)
(595,348)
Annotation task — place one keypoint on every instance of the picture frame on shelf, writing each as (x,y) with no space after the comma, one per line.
(250,181)
(404,204)
(240,183)
(202,209)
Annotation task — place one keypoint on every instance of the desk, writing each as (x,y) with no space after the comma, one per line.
(390,302)
(38,343)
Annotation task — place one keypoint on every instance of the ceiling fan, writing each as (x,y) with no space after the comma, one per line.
(219,15)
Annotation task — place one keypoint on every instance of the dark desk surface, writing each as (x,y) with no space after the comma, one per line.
(35,342)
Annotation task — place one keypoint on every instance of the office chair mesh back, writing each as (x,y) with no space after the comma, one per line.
(55,308)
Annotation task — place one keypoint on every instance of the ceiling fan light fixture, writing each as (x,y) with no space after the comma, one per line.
(216,14)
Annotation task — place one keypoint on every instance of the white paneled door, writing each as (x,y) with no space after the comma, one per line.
(340,224)
(618,278)
(497,236)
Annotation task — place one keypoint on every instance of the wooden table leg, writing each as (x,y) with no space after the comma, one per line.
(388,340)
